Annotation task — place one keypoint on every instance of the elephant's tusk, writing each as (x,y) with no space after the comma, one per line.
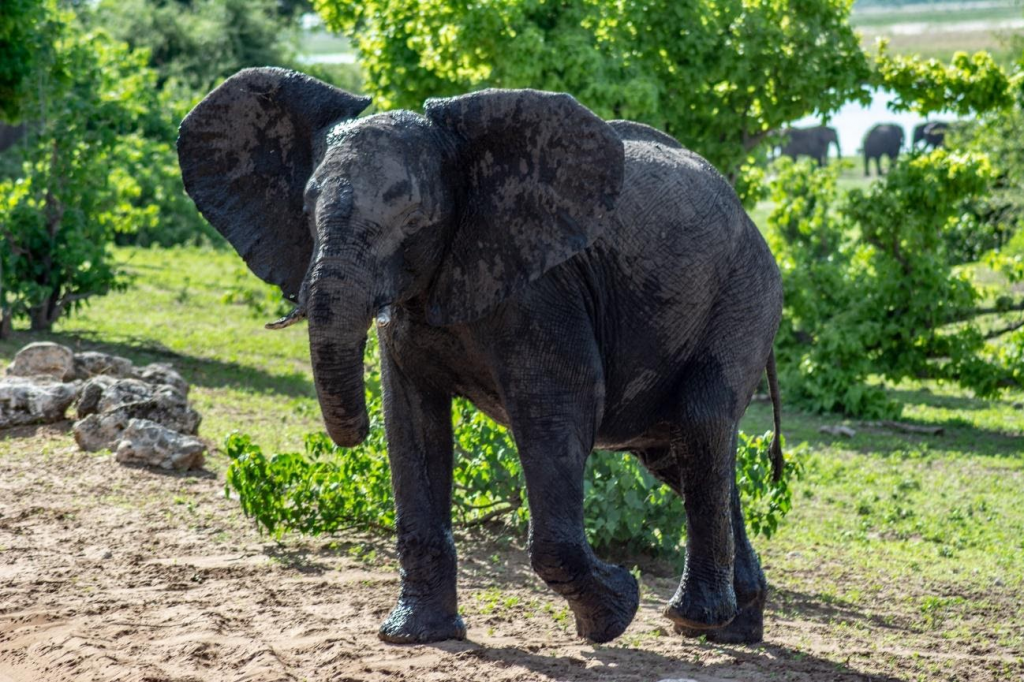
(288,320)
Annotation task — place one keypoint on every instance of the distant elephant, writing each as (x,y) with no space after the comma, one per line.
(9,135)
(885,139)
(589,284)
(813,142)
(933,134)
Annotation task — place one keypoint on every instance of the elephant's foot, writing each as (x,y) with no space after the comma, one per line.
(700,605)
(417,622)
(606,606)
(746,628)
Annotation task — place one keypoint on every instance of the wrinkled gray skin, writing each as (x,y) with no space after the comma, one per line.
(885,139)
(813,142)
(933,134)
(588,284)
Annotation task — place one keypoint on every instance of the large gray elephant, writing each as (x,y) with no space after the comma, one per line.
(813,142)
(587,283)
(885,139)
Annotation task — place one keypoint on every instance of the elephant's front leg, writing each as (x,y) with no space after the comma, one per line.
(604,598)
(554,404)
(418,424)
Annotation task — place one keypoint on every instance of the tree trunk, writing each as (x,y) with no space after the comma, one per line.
(6,327)
(44,315)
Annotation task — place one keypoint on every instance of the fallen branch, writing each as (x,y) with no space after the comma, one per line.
(491,515)
(838,430)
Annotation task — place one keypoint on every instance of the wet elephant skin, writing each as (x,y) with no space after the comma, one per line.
(589,284)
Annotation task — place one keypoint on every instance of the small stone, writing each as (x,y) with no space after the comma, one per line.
(91,364)
(44,359)
(150,444)
(25,401)
(1018,406)
(90,394)
(99,431)
(123,392)
(98,554)
(162,374)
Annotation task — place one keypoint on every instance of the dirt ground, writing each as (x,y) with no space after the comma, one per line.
(113,573)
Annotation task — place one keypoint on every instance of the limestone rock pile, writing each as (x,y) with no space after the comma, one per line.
(140,413)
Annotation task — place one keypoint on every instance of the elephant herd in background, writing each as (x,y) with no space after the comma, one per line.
(884,139)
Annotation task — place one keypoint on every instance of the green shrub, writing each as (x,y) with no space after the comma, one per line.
(328,489)
(874,288)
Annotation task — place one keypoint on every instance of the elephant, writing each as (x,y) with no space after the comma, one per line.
(587,283)
(933,134)
(885,139)
(9,135)
(813,142)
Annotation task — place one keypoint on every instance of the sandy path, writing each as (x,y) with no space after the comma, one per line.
(109,573)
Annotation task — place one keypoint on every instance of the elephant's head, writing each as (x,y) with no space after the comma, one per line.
(830,136)
(458,209)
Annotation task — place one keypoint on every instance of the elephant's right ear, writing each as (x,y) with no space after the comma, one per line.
(246,153)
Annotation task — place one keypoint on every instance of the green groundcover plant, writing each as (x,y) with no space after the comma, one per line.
(327,489)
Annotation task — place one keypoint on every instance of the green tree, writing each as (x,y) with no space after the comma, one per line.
(96,111)
(719,75)
(198,43)
(21,42)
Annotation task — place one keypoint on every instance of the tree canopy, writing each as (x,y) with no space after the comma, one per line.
(719,75)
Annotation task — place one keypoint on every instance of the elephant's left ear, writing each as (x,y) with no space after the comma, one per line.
(541,174)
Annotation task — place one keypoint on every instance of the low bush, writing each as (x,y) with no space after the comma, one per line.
(874,288)
(327,489)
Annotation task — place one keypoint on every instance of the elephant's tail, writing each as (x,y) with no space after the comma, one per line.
(778,461)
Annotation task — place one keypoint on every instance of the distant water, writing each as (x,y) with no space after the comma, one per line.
(853,121)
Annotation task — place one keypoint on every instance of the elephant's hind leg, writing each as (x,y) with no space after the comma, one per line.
(749,584)
(706,597)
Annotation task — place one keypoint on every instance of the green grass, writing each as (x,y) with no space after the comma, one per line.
(322,42)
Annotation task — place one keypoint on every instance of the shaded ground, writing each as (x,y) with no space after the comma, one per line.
(112,573)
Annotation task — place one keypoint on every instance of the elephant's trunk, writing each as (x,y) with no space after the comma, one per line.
(339,312)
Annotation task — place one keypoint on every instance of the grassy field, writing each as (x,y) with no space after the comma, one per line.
(941,31)
(944,14)
(910,546)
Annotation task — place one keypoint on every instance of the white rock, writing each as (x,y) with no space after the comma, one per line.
(124,391)
(162,374)
(90,364)
(44,359)
(90,393)
(125,400)
(148,443)
(30,401)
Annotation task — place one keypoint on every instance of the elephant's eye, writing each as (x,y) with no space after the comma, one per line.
(414,220)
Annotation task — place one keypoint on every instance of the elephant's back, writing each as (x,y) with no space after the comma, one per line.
(675,204)
(884,131)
